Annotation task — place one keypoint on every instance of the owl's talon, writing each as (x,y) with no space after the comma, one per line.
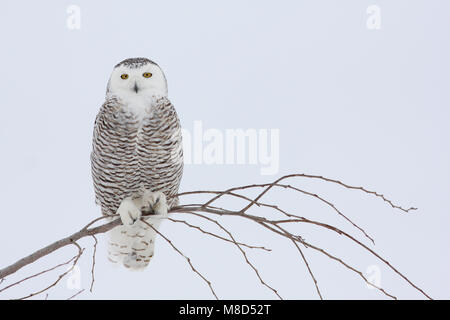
(129,212)
(156,202)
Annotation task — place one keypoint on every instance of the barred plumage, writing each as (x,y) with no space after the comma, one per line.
(136,146)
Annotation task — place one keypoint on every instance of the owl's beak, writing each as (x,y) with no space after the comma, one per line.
(136,88)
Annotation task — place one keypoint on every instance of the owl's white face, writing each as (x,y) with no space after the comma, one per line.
(133,82)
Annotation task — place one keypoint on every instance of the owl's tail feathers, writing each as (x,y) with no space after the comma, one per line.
(118,245)
(133,246)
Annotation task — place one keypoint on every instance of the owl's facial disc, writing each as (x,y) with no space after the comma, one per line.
(146,79)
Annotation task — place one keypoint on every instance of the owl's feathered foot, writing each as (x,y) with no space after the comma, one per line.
(155,202)
(129,211)
(133,242)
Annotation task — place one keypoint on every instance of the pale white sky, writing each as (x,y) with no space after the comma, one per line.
(369,107)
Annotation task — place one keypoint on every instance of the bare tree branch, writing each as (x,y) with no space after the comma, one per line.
(205,211)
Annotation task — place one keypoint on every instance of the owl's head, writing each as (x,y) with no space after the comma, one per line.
(137,76)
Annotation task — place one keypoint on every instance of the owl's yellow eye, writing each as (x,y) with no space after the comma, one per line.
(124,76)
(146,74)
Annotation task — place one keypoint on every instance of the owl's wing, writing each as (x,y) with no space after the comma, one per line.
(160,150)
(113,161)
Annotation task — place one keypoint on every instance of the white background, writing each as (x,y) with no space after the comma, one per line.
(369,107)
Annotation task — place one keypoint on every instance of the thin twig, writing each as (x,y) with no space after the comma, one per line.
(309,269)
(93,263)
(328,180)
(76,294)
(270,185)
(182,254)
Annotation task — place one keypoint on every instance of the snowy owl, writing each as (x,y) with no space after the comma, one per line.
(137,158)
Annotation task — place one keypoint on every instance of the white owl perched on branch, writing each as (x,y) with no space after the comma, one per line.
(137,158)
